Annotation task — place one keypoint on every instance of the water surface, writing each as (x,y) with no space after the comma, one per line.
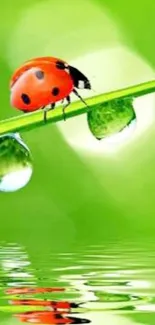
(112,283)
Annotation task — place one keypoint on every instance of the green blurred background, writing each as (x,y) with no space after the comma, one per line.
(77,197)
(69,202)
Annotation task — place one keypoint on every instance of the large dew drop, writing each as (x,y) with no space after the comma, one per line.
(15,163)
(111,117)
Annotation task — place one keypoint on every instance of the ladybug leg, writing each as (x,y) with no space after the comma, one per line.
(52,106)
(46,109)
(65,106)
(78,95)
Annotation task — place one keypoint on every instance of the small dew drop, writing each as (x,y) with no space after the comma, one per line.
(15,163)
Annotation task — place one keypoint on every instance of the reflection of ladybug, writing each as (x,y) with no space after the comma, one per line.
(45,81)
(32,290)
(46,303)
(44,317)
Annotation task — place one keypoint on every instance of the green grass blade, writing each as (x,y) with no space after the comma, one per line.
(30,121)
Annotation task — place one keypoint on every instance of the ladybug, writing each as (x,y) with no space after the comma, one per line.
(43,317)
(45,303)
(48,317)
(44,81)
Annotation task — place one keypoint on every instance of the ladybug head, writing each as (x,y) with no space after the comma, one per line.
(79,79)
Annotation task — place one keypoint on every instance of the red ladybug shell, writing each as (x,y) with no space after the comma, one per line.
(35,62)
(40,86)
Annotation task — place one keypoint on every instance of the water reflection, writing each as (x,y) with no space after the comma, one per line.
(32,290)
(59,310)
(94,284)
(49,317)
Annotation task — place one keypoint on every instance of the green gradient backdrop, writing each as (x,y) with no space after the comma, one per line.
(65,203)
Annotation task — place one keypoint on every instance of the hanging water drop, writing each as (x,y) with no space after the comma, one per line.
(15,163)
(111,117)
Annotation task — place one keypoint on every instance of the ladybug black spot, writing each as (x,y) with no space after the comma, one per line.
(55,91)
(60,65)
(39,74)
(26,99)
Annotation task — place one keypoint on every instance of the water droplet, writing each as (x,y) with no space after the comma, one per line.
(15,163)
(111,117)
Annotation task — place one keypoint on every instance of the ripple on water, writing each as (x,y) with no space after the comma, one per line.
(119,280)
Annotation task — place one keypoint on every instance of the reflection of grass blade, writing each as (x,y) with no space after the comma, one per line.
(32,120)
(19,309)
